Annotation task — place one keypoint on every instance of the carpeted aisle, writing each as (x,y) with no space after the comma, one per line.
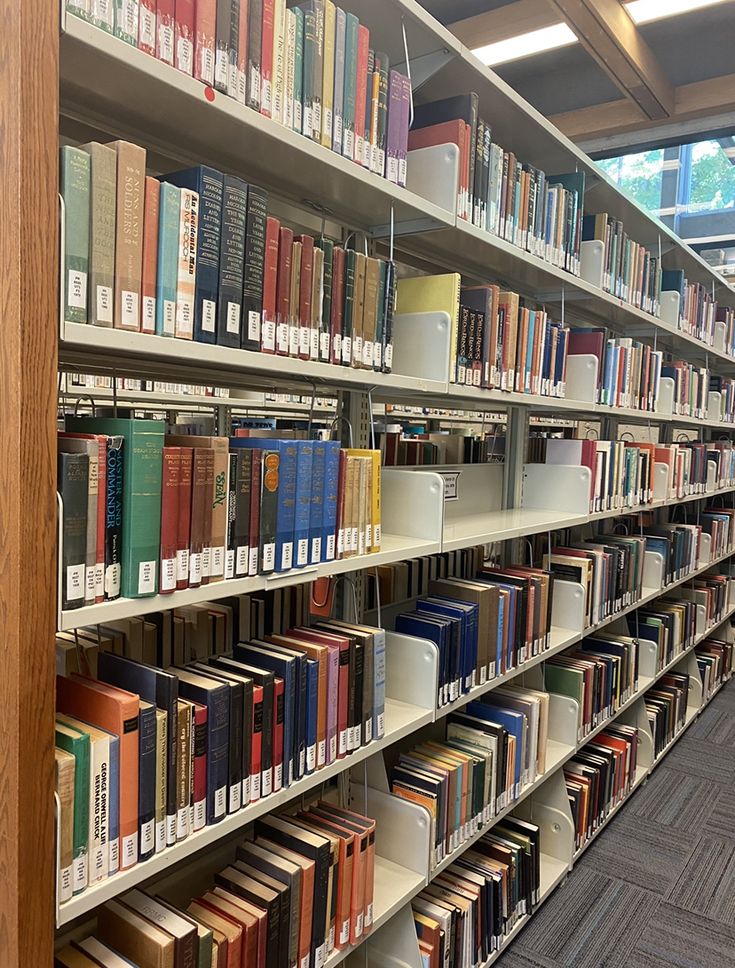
(657,888)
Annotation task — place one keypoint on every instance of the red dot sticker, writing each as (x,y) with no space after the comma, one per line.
(209,93)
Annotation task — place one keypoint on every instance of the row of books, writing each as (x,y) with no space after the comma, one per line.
(600,675)
(162,753)
(698,310)
(492,751)
(599,777)
(666,709)
(463,916)
(300,890)
(498,192)
(195,255)
(403,580)
(726,388)
(408,449)
(714,660)
(483,626)
(628,371)
(309,67)
(630,272)
(496,342)
(90,381)
(145,512)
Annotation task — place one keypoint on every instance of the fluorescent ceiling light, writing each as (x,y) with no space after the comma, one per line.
(561,35)
(646,11)
(534,42)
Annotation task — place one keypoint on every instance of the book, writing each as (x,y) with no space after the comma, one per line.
(187,264)
(131,161)
(231,266)
(168,259)
(102,187)
(73,477)
(75,191)
(150,255)
(76,743)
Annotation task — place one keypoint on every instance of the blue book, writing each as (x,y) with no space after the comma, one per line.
(147,781)
(113,819)
(304,484)
(456,643)
(169,215)
(425,627)
(284,666)
(502,619)
(527,379)
(672,280)
(286,512)
(232,261)
(208,184)
(300,693)
(312,711)
(514,723)
(317,546)
(216,697)
(379,683)
(331,487)
(467,615)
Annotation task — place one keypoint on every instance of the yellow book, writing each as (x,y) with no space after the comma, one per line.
(372,498)
(330,30)
(434,294)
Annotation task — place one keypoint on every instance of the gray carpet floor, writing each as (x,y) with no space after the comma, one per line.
(657,887)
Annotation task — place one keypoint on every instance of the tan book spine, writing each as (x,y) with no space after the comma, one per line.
(129,234)
(359,311)
(150,255)
(183,767)
(103,186)
(186,283)
(65,769)
(370,313)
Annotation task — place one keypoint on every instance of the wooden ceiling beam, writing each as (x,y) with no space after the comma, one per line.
(608,34)
(509,21)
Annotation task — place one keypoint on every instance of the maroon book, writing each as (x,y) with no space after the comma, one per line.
(184,36)
(305,294)
(283,295)
(170,497)
(183,536)
(270,285)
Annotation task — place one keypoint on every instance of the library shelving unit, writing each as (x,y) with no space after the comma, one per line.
(63,78)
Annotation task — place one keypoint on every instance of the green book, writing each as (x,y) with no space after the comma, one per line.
(77,744)
(74,178)
(103,199)
(169,219)
(126,21)
(80,8)
(327,247)
(349,99)
(298,77)
(566,682)
(142,482)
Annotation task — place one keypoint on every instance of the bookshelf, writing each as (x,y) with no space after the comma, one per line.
(106,86)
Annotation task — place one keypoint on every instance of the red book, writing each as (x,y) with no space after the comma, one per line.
(170,497)
(116,711)
(305,294)
(199,780)
(278,701)
(256,752)
(184,36)
(255,485)
(266,59)
(147,26)
(334,641)
(183,529)
(363,51)
(338,303)
(150,255)
(165,32)
(242,52)
(205,29)
(283,295)
(341,504)
(270,285)
(449,132)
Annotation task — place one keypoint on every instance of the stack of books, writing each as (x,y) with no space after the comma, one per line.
(146,512)
(628,371)
(158,754)
(194,255)
(299,892)
(666,707)
(714,659)
(310,67)
(670,623)
(630,272)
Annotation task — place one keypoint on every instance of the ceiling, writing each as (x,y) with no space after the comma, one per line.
(688,59)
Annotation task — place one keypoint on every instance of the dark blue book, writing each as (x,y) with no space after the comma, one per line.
(312,710)
(146,781)
(232,261)
(162,689)
(317,544)
(457,639)
(302,518)
(215,696)
(286,511)
(331,485)
(113,784)
(267,657)
(467,613)
(436,631)
(208,184)
(672,280)
(252,284)
(236,720)
(300,690)
(514,723)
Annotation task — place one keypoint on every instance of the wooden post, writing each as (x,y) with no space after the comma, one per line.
(28,335)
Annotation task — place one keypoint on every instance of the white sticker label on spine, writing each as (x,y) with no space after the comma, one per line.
(267,784)
(302,552)
(148,323)
(287,556)
(209,315)
(168,574)
(321,753)
(268,340)
(79,873)
(89,583)
(206,562)
(75,583)
(316,551)
(65,884)
(195,568)
(76,293)
(184,318)
(235,797)
(104,304)
(169,317)
(220,802)
(217,561)
(282,339)
(229,564)
(130,309)
(253,562)
(147,837)
(185,55)
(310,759)
(129,19)
(241,560)
(277,777)
(147,33)
(146,577)
(233,318)
(254,325)
(346,349)
(160,835)
(269,556)
(332,748)
(182,564)
(129,850)
(182,823)
(324,347)
(206,65)
(166,43)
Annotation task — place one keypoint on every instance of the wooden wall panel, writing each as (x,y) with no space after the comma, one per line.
(28,308)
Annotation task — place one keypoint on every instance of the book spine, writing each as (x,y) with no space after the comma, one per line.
(114,518)
(317,543)
(73,477)
(317,70)
(233,48)
(286,513)
(222,46)
(337,305)
(279,61)
(208,495)
(102,15)
(349,101)
(99,557)
(325,300)
(273,325)
(242,52)
(183,523)
(252,297)
(298,70)
(184,36)
(256,744)
(147,783)
(150,255)
(165,18)
(283,287)
(113,799)
(287,336)
(256,484)
(304,485)
(242,512)
(380,148)
(361,86)
(232,262)
(187,264)
(339,80)
(406,101)
(395,96)
(169,518)
(103,178)
(75,190)
(129,240)
(231,507)
(205,33)
(168,259)
(330,26)
(307,117)
(305,295)
(126,21)
(289,68)
(349,306)
(266,59)
(142,476)
(255,40)
(371,112)
(330,500)
(270,483)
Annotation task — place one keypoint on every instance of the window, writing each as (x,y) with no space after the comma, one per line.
(640,175)
(711,185)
